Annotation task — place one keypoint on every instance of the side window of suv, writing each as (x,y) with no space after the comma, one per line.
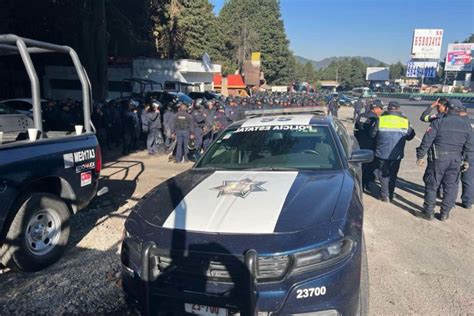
(343,137)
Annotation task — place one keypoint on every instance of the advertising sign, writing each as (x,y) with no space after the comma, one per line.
(377,74)
(418,69)
(427,43)
(459,57)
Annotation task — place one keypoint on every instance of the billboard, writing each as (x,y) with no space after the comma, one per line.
(377,74)
(459,57)
(427,43)
(418,69)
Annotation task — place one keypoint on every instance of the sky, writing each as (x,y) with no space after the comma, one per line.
(382,29)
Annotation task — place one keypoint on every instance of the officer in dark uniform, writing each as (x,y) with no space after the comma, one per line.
(221,121)
(200,119)
(447,137)
(358,106)
(208,134)
(467,168)
(368,104)
(362,132)
(182,128)
(391,131)
(440,105)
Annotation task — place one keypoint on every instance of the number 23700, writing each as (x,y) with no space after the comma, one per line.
(310,292)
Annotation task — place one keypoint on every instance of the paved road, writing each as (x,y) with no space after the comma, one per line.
(416,266)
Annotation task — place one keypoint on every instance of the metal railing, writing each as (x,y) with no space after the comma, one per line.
(11,44)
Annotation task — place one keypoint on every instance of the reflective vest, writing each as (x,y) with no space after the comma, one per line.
(391,136)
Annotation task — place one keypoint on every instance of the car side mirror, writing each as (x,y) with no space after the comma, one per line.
(361,155)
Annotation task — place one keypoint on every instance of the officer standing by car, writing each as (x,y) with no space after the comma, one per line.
(441,107)
(182,128)
(362,132)
(467,168)
(358,106)
(167,117)
(391,131)
(448,137)
(200,120)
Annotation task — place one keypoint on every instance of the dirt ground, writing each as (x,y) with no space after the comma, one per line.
(415,266)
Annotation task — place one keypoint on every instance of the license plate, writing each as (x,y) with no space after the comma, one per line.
(205,310)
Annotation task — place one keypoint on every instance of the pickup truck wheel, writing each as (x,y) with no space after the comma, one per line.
(38,234)
(364,282)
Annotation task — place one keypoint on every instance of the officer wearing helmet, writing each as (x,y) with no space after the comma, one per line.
(182,128)
(208,132)
(167,118)
(221,121)
(200,124)
(152,126)
(448,137)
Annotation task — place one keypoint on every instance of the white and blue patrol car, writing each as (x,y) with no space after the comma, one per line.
(267,222)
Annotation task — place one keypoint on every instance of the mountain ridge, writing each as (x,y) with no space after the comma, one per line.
(323,63)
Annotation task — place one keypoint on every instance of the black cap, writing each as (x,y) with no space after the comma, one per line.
(393,105)
(456,105)
(376,104)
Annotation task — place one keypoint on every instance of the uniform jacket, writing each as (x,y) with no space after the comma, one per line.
(426,116)
(167,118)
(182,121)
(152,120)
(362,130)
(450,135)
(391,131)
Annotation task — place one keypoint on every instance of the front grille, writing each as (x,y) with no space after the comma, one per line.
(224,268)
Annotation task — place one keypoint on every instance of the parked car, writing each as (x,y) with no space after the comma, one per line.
(269,222)
(23,105)
(415,97)
(168,96)
(203,95)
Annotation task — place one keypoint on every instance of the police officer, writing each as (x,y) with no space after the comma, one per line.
(358,106)
(200,120)
(152,126)
(368,104)
(467,168)
(221,121)
(167,118)
(440,105)
(391,131)
(448,137)
(182,128)
(333,107)
(208,133)
(362,132)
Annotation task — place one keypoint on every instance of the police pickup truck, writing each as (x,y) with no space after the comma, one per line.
(45,177)
(268,222)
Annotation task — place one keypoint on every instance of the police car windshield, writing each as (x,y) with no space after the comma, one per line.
(273,147)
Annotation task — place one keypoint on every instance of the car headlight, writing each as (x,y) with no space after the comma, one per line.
(323,257)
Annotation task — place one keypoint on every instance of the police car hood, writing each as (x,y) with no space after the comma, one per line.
(243,202)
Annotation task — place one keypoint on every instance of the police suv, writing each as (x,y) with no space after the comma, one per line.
(268,222)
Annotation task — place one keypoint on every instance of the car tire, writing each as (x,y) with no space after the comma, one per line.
(364,282)
(38,234)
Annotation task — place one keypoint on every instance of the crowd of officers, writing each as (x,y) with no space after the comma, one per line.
(179,129)
(447,145)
